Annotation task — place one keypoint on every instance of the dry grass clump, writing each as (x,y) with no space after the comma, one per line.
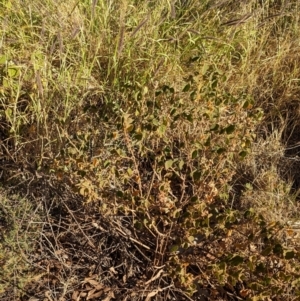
(272,169)
(155,134)
(20,226)
(266,187)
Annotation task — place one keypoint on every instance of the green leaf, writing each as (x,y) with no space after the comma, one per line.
(145,90)
(230,129)
(138,225)
(130,171)
(186,88)
(243,154)
(161,130)
(249,213)
(173,111)
(181,163)
(138,136)
(278,249)
(176,213)
(207,142)
(106,163)
(221,150)
(3,59)
(260,268)
(289,254)
(222,265)
(267,251)
(196,175)
(8,113)
(236,260)
(129,128)
(215,127)
(249,187)
(166,88)
(193,95)
(158,92)
(13,71)
(246,104)
(188,117)
(155,122)
(255,286)
(194,154)
(194,199)
(168,164)
(204,69)
(174,248)
(191,239)
(214,83)
(196,58)
(185,245)
(120,194)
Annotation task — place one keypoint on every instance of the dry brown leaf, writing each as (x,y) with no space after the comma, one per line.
(95,294)
(90,293)
(245,293)
(75,296)
(59,252)
(48,295)
(151,294)
(112,269)
(109,296)
(94,283)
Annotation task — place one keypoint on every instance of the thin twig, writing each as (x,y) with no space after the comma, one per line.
(132,239)
(88,239)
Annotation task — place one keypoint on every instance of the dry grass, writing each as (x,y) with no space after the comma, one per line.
(20,227)
(163,136)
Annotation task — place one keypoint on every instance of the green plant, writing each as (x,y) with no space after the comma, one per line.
(178,115)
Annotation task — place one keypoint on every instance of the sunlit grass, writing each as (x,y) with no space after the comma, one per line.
(174,112)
